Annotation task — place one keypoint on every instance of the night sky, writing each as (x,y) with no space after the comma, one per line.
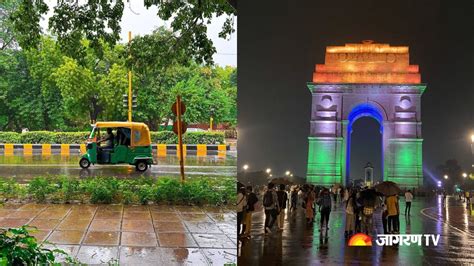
(279,42)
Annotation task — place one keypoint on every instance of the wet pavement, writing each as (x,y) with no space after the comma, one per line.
(132,235)
(23,168)
(298,244)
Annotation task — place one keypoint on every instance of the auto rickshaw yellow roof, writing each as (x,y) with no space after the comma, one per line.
(140,135)
(119,124)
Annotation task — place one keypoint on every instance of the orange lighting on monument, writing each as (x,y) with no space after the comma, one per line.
(367,63)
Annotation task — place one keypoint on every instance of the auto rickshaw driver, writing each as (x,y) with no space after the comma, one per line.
(106,146)
(109,140)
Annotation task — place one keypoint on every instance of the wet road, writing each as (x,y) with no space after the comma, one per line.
(300,245)
(24,168)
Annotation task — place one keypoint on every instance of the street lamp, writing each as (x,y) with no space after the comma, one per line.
(464,175)
(445,176)
(291,175)
(287,173)
(268,170)
(245,167)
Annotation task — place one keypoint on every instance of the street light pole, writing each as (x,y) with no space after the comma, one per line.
(129,82)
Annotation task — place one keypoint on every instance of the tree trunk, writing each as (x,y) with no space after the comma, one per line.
(95,111)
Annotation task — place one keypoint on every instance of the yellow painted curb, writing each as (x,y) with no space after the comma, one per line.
(46,149)
(64,149)
(221,150)
(161,150)
(201,150)
(27,149)
(8,149)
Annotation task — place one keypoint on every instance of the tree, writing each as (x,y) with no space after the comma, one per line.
(42,62)
(202,92)
(154,73)
(190,20)
(25,22)
(78,92)
(7,38)
(227,77)
(100,20)
(19,101)
(88,91)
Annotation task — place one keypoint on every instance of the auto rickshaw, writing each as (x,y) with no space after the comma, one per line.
(130,144)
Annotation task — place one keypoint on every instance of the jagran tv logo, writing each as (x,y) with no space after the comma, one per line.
(363,240)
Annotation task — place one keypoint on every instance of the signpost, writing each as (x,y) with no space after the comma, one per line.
(179,127)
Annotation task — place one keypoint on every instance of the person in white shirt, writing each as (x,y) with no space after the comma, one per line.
(408,199)
(241,203)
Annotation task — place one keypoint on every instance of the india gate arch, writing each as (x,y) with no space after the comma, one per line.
(367,79)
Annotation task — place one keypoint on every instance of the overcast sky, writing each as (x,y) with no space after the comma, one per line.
(141,21)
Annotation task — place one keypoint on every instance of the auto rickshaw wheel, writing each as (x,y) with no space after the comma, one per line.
(141,166)
(84,163)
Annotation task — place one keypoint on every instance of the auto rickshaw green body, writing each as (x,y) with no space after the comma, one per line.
(136,151)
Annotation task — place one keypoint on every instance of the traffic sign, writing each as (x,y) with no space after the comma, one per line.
(182,108)
(184,127)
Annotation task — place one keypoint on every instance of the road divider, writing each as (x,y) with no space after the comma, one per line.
(160,150)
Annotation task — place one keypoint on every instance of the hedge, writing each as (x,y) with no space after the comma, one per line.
(162,137)
(168,190)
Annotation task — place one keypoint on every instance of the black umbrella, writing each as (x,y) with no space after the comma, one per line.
(388,188)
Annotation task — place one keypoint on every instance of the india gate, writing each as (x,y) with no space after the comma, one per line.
(358,80)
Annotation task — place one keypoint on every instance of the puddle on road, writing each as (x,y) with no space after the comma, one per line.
(24,168)
(74,160)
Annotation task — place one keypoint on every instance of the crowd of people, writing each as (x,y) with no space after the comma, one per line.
(358,203)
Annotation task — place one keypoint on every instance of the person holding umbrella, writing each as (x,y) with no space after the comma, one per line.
(393,211)
(391,190)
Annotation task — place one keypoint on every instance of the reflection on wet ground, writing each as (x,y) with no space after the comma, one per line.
(300,245)
(132,235)
(23,168)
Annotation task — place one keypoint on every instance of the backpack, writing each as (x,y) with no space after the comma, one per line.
(268,199)
(326,201)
